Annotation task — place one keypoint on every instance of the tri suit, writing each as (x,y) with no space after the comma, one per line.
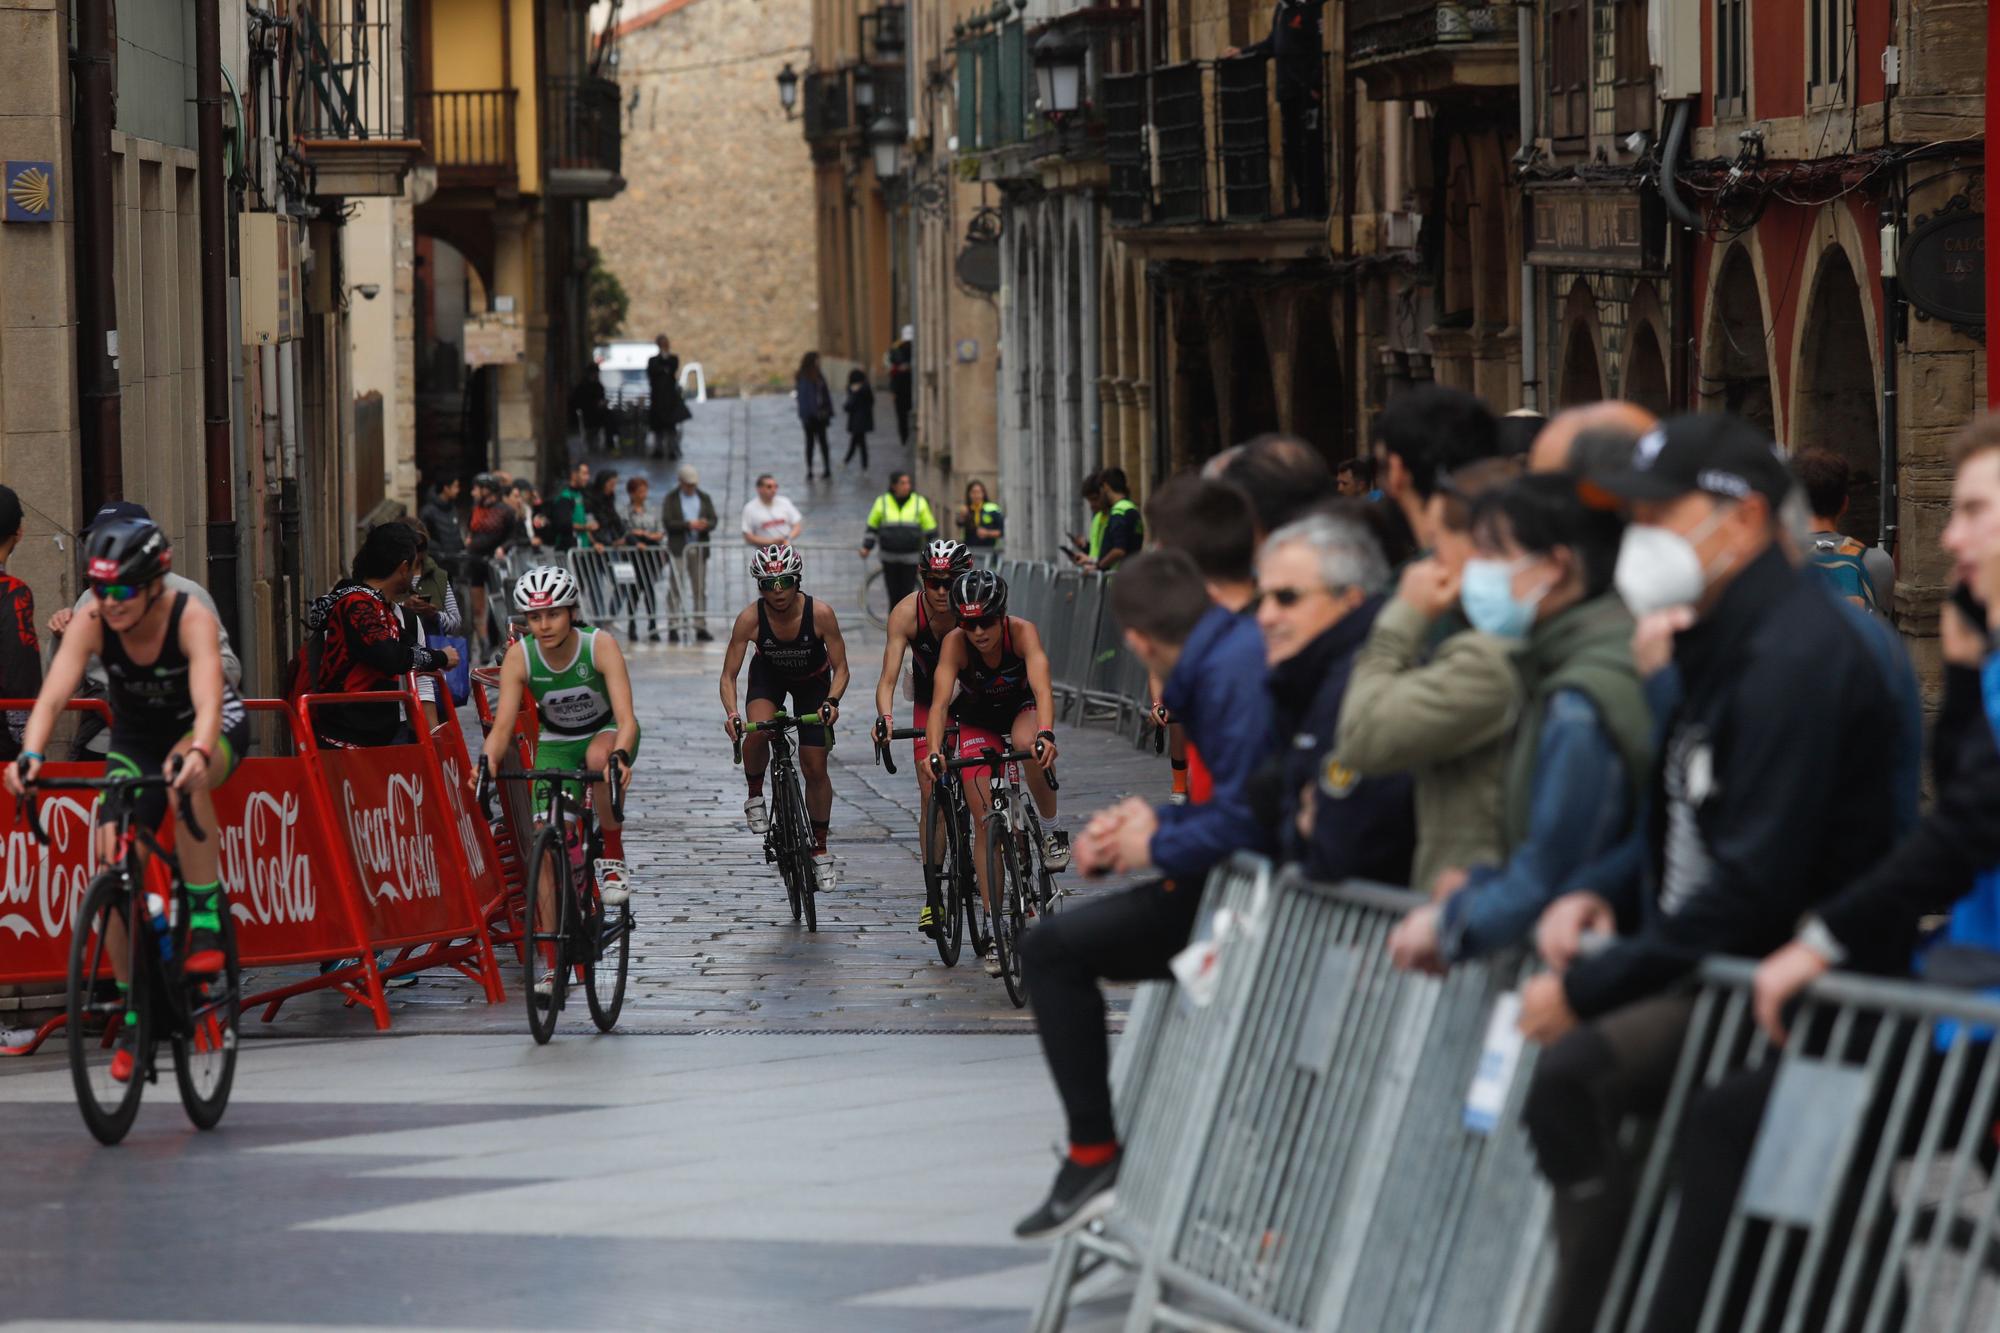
(800,667)
(925,647)
(152,709)
(991,697)
(573,703)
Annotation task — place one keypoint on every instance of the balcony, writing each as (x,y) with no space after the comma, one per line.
(1431,49)
(470,134)
(585,138)
(827,112)
(352,125)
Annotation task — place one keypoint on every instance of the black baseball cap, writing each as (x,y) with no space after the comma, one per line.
(117,509)
(1715,452)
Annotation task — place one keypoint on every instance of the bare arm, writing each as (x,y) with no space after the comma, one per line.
(951,659)
(732,660)
(80,642)
(513,684)
(1039,681)
(828,625)
(900,626)
(202,642)
(618,680)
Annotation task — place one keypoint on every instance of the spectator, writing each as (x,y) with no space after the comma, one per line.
(92,740)
(1083,549)
(981,524)
(1443,713)
(666,409)
(569,514)
(1212,661)
(526,501)
(1425,434)
(902,387)
(860,409)
(20,647)
(1747,832)
(366,646)
(1863,574)
(1516,432)
(1582,750)
(431,596)
(641,518)
(815,407)
(590,413)
(902,522)
(494,527)
(1293,46)
(689,516)
(601,504)
(1321,580)
(1354,479)
(768,517)
(1591,439)
(1282,476)
(1123,531)
(444,527)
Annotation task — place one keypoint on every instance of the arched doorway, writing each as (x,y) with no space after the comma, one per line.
(1836,406)
(1646,371)
(1317,396)
(1253,398)
(1736,365)
(1581,379)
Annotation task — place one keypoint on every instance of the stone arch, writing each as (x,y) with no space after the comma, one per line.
(1833,391)
(1582,378)
(1645,378)
(1253,395)
(1736,353)
(1318,394)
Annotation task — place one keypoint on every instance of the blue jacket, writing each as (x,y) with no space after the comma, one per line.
(1363,828)
(815,400)
(1216,692)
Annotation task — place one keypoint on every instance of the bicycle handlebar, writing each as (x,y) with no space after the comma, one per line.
(118,786)
(992,757)
(882,753)
(775,723)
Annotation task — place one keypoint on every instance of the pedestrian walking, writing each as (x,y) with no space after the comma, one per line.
(901,360)
(689,517)
(20,646)
(815,406)
(666,409)
(1294,46)
(768,517)
(900,521)
(981,524)
(860,409)
(646,535)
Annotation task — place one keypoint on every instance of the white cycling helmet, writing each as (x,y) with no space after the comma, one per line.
(770,562)
(544,588)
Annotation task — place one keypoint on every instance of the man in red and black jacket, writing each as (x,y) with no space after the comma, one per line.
(366,645)
(20,649)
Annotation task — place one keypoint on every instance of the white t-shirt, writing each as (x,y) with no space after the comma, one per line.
(775,519)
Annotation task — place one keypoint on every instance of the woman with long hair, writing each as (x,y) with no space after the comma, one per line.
(815,403)
(981,524)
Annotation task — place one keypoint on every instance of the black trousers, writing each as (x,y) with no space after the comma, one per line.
(856,443)
(816,434)
(1302,119)
(899,581)
(1126,936)
(903,392)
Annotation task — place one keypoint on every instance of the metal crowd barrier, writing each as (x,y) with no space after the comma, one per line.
(630,586)
(835,573)
(1301,1152)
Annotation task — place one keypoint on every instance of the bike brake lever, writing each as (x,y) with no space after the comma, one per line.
(24,803)
(188,821)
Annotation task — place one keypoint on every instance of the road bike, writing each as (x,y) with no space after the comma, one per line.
(196,1015)
(1017,872)
(946,827)
(588,941)
(788,840)
(875,599)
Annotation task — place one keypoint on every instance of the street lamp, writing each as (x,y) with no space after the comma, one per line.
(864,88)
(885,141)
(788,88)
(1059,58)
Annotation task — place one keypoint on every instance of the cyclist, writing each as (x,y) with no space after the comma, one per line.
(997,665)
(583,695)
(918,624)
(172,712)
(799,653)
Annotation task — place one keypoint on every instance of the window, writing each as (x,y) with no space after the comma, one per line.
(1829,33)
(1632,66)
(1569,71)
(1730,57)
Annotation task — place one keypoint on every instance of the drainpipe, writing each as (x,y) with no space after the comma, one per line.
(1892,311)
(218,456)
(1524,17)
(97,368)
(1690,227)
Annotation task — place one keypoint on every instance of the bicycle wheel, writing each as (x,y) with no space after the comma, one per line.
(941,833)
(802,856)
(973,911)
(782,795)
(875,598)
(95,1012)
(205,1054)
(1003,873)
(610,933)
(546,939)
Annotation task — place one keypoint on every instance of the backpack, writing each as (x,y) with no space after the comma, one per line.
(1838,560)
(302,672)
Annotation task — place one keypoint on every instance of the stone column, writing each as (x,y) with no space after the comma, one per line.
(513,272)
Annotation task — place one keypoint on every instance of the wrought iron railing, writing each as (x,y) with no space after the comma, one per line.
(355,76)
(1125,152)
(1381,27)
(584,128)
(1243,138)
(1180,126)
(826,107)
(470,134)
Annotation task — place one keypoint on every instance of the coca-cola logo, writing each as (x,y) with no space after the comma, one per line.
(44,885)
(269,877)
(468,828)
(398,859)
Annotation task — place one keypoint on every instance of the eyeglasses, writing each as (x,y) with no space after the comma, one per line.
(117,592)
(779,583)
(1289,597)
(938,585)
(980,622)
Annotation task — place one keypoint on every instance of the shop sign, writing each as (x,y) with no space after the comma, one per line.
(1943,267)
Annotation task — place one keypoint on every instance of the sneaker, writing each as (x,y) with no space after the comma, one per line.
(545,991)
(992,958)
(757,814)
(1055,849)
(1177,798)
(703,636)
(1080,1196)
(205,956)
(824,878)
(927,922)
(612,886)
(124,1059)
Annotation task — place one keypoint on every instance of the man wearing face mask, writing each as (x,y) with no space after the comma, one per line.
(1744,833)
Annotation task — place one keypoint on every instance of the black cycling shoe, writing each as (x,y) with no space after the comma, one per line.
(1080,1196)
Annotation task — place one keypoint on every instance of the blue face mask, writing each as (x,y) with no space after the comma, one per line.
(1487,593)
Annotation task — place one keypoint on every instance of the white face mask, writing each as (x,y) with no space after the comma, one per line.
(1659,568)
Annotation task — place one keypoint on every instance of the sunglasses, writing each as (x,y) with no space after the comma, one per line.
(1288,597)
(980,622)
(782,583)
(938,585)
(117,592)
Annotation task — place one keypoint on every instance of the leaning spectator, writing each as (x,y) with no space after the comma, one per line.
(365,646)
(1212,661)
(1582,746)
(1321,580)
(20,648)
(1423,435)
(1431,697)
(1591,438)
(1863,574)
(1771,797)
(1124,532)
(1354,479)
(1281,475)
(431,597)
(1083,549)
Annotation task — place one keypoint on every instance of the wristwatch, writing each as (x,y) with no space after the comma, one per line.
(1816,936)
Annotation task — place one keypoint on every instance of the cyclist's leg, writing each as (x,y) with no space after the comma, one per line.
(611,874)
(207,900)
(807,696)
(973,740)
(1026,725)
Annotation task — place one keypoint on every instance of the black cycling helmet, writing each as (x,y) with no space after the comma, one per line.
(126,550)
(979,593)
(944,558)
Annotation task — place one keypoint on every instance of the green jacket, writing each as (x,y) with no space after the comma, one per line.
(1443,718)
(901,528)
(1586,648)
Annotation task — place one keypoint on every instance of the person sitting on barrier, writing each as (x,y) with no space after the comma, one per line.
(1582,748)
(1748,827)
(172,713)
(364,644)
(583,697)
(800,654)
(1213,663)
(918,626)
(1320,581)
(992,678)
(1441,715)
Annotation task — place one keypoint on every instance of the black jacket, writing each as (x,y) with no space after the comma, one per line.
(1363,828)
(1787,712)
(860,408)
(441,521)
(1295,47)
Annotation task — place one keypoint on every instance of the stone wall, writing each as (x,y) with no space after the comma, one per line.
(713,236)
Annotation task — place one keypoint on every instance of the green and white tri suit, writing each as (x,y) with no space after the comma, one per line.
(574,705)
